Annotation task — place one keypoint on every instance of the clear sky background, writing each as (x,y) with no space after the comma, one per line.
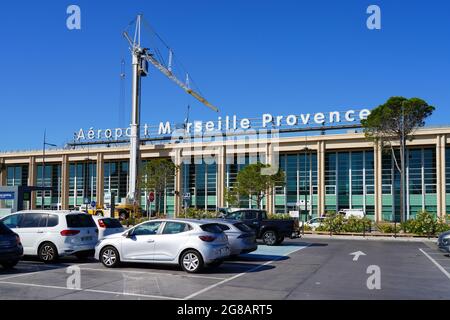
(247,56)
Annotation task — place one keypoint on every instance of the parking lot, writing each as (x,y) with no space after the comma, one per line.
(307,268)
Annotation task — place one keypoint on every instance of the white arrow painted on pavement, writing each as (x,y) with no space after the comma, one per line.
(357,255)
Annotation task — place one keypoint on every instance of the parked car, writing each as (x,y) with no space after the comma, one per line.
(53,234)
(107,226)
(444,242)
(242,238)
(192,244)
(313,223)
(11,249)
(347,213)
(272,232)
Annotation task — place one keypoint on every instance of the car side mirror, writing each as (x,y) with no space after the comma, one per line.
(129,234)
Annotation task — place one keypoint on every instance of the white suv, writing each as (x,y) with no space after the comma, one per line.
(52,234)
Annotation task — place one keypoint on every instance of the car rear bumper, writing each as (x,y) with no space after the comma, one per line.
(445,249)
(214,253)
(70,250)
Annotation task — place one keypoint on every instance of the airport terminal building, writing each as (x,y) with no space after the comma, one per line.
(331,170)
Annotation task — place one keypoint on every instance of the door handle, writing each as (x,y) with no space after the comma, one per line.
(151,241)
(40,231)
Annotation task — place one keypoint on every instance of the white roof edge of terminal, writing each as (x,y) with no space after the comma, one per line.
(428,130)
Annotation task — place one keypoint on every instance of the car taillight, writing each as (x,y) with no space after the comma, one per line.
(207,238)
(101,223)
(18,240)
(68,233)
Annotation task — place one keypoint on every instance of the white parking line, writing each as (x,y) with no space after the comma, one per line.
(241,274)
(89,290)
(436,264)
(155,273)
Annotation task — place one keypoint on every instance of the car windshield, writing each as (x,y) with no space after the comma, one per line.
(212,228)
(243,227)
(237,215)
(80,221)
(4,229)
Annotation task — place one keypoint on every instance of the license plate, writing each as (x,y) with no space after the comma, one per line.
(224,251)
(86,239)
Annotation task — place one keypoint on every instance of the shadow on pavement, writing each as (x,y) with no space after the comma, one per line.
(258,257)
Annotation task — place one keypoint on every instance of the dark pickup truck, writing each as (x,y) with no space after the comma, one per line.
(271,231)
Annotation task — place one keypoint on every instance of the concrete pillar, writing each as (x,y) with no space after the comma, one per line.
(65,175)
(440,175)
(378,158)
(221,161)
(178,182)
(100,179)
(270,197)
(32,180)
(321,150)
(3,172)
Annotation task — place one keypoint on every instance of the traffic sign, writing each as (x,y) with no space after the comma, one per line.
(187,196)
(93,204)
(151,196)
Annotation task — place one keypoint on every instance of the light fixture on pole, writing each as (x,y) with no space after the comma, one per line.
(43,167)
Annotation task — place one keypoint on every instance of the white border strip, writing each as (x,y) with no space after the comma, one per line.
(241,274)
(436,264)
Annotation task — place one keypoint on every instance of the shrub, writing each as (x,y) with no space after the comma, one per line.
(337,223)
(425,224)
(279,216)
(385,227)
(193,213)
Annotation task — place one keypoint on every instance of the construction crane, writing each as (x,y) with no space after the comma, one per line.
(141,57)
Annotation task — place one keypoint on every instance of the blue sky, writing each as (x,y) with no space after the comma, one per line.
(247,57)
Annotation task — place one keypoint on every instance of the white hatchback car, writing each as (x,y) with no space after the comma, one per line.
(52,234)
(192,244)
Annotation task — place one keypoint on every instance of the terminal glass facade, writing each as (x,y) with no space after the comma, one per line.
(350,181)
(421,187)
(50,176)
(82,183)
(16,175)
(300,185)
(116,179)
(200,180)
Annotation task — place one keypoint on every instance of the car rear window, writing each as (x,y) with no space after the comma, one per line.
(80,221)
(112,223)
(4,229)
(243,227)
(223,227)
(212,228)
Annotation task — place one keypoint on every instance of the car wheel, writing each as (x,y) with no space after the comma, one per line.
(279,240)
(47,252)
(10,264)
(109,257)
(191,261)
(269,237)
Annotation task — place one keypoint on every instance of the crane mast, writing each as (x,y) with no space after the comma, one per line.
(140,59)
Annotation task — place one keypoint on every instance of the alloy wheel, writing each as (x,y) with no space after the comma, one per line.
(191,262)
(47,253)
(270,238)
(109,257)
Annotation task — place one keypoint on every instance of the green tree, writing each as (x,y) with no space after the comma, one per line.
(250,182)
(396,121)
(154,177)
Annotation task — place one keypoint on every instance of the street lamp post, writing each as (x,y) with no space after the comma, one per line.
(306,150)
(43,167)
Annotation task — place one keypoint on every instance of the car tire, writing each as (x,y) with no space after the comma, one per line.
(269,237)
(109,256)
(279,241)
(9,264)
(47,252)
(191,261)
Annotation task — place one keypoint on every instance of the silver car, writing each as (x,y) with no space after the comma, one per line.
(444,242)
(242,238)
(192,244)
(107,226)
